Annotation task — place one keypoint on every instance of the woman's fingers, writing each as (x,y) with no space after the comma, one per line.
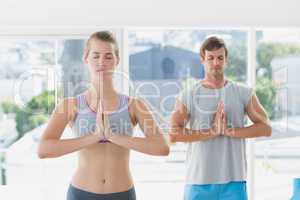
(99,122)
(107,128)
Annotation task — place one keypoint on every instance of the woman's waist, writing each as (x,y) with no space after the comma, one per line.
(127,194)
(103,165)
(103,154)
(99,181)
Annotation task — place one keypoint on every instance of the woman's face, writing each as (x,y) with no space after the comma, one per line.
(101,59)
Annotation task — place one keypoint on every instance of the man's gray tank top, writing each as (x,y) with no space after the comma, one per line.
(85,120)
(221,159)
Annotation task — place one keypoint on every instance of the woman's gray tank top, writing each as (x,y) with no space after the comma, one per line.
(85,120)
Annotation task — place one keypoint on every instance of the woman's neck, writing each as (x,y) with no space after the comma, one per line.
(102,89)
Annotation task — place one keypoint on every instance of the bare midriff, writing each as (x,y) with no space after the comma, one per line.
(103,168)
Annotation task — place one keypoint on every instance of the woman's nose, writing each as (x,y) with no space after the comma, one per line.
(101,60)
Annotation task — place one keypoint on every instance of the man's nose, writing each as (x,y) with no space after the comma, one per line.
(216,61)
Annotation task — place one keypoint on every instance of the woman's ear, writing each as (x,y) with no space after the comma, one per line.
(85,56)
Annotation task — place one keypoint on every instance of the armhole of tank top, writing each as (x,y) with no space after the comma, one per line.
(237,88)
(132,118)
(192,93)
(75,109)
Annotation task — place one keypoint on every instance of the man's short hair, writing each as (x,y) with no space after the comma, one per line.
(213,43)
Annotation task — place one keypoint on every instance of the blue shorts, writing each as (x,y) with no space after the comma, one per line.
(228,191)
(296,190)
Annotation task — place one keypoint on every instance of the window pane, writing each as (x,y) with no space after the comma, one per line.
(72,73)
(161,63)
(25,75)
(26,98)
(278,88)
(30,73)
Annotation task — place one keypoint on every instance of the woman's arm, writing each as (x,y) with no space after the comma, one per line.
(154,142)
(51,145)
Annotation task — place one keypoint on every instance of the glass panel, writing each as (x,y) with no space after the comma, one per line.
(32,73)
(23,64)
(278,88)
(72,74)
(26,96)
(161,63)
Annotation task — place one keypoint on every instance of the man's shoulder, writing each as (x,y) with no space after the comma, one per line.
(189,88)
(243,91)
(240,86)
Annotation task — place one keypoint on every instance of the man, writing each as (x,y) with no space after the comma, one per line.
(215,110)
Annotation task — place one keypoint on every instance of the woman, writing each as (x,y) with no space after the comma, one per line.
(102,121)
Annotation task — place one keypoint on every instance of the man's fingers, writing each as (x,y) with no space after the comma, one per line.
(219,119)
(220,109)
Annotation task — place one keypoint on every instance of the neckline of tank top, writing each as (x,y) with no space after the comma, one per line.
(226,84)
(110,113)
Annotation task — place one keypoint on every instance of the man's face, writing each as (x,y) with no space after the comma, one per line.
(214,61)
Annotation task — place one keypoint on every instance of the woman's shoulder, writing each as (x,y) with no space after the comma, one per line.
(68,106)
(136,107)
(135,101)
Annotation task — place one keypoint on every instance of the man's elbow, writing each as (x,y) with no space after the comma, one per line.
(268,131)
(162,151)
(165,151)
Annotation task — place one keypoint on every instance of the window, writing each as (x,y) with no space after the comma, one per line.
(278,88)
(161,63)
(24,63)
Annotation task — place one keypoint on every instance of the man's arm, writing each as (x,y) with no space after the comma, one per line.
(179,133)
(261,125)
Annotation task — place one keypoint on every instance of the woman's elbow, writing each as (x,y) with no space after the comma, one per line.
(42,152)
(42,156)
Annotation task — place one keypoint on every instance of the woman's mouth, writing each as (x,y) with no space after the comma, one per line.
(100,69)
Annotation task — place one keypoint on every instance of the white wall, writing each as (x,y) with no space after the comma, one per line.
(116,13)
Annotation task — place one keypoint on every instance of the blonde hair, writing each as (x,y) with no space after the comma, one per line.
(105,36)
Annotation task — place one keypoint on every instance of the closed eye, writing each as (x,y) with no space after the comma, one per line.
(221,57)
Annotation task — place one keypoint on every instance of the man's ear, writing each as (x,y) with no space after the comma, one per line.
(202,59)
(226,61)
(118,61)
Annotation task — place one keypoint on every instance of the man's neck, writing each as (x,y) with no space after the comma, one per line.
(214,83)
